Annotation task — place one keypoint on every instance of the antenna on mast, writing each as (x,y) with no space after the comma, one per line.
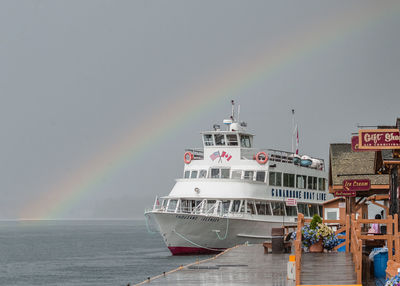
(238,119)
(233,110)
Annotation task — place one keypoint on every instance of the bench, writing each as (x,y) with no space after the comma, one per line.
(391,269)
(287,246)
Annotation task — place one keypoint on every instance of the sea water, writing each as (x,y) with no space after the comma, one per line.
(82,253)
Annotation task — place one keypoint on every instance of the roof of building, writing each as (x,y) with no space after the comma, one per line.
(345,164)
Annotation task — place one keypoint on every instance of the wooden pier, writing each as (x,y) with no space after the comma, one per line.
(334,268)
(242,265)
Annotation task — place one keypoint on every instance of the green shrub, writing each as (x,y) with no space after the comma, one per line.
(315,221)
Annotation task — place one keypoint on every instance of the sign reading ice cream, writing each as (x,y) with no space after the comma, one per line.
(357,185)
(379,139)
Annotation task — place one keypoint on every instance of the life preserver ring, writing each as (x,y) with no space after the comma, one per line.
(261,157)
(188,157)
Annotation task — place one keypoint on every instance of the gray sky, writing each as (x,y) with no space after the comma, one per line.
(77,77)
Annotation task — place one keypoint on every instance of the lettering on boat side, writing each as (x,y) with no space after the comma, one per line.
(296,194)
(213,219)
(192,217)
(187,217)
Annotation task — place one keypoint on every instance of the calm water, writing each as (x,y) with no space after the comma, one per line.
(82,253)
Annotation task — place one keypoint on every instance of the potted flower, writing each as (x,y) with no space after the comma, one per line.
(317,236)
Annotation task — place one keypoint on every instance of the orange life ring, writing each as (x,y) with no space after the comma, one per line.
(188,157)
(261,157)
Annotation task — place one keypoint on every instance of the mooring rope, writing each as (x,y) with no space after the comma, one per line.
(226,230)
(194,243)
(148,227)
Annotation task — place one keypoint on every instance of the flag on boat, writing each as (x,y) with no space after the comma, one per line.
(214,155)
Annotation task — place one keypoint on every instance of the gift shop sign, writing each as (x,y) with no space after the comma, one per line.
(355,145)
(379,139)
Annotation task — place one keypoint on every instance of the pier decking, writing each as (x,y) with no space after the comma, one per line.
(334,268)
(242,265)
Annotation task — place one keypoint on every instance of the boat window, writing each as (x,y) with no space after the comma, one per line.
(245,141)
(248,175)
(225,173)
(291,211)
(301,181)
(187,174)
(208,140)
(164,203)
(242,206)
(215,173)
(260,176)
(275,178)
(225,206)
(235,206)
(263,208)
(303,208)
(278,208)
(312,183)
(193,175)
(313,209)
(172,205)
(288,180)
(232,139)
(236,174)
(203,174)
(219,139)
(321,184)
(210,204)
(250,207)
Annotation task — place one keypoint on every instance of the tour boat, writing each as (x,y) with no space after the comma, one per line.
(232,193)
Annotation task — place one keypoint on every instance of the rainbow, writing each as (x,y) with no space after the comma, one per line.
(53,203)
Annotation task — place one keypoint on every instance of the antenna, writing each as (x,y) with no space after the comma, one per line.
(233,110)
(238,113)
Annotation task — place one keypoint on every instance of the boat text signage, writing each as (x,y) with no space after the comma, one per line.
(296,194)
(379,139)
(357,185)
(291,202)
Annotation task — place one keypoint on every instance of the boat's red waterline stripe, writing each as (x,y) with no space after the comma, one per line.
(192,250)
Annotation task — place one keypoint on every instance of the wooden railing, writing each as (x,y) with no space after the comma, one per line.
(354,239)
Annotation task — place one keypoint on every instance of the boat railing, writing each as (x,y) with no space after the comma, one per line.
(198,153)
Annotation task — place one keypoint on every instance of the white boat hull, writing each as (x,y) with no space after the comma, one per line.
(192,233)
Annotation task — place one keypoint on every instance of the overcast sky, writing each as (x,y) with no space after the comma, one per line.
(78,77)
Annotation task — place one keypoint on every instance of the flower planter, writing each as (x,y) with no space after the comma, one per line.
(317,247)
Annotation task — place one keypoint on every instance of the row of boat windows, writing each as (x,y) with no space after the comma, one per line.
(227,140)
(274,178)
(253,207)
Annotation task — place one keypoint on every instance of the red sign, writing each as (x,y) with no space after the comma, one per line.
(345,193)
(379,139)
(355,145)
(357,185)
(291,202)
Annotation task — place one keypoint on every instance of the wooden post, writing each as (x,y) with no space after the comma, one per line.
(390,236)
(396,238)
(347,233)
(297,245)
(359,254)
